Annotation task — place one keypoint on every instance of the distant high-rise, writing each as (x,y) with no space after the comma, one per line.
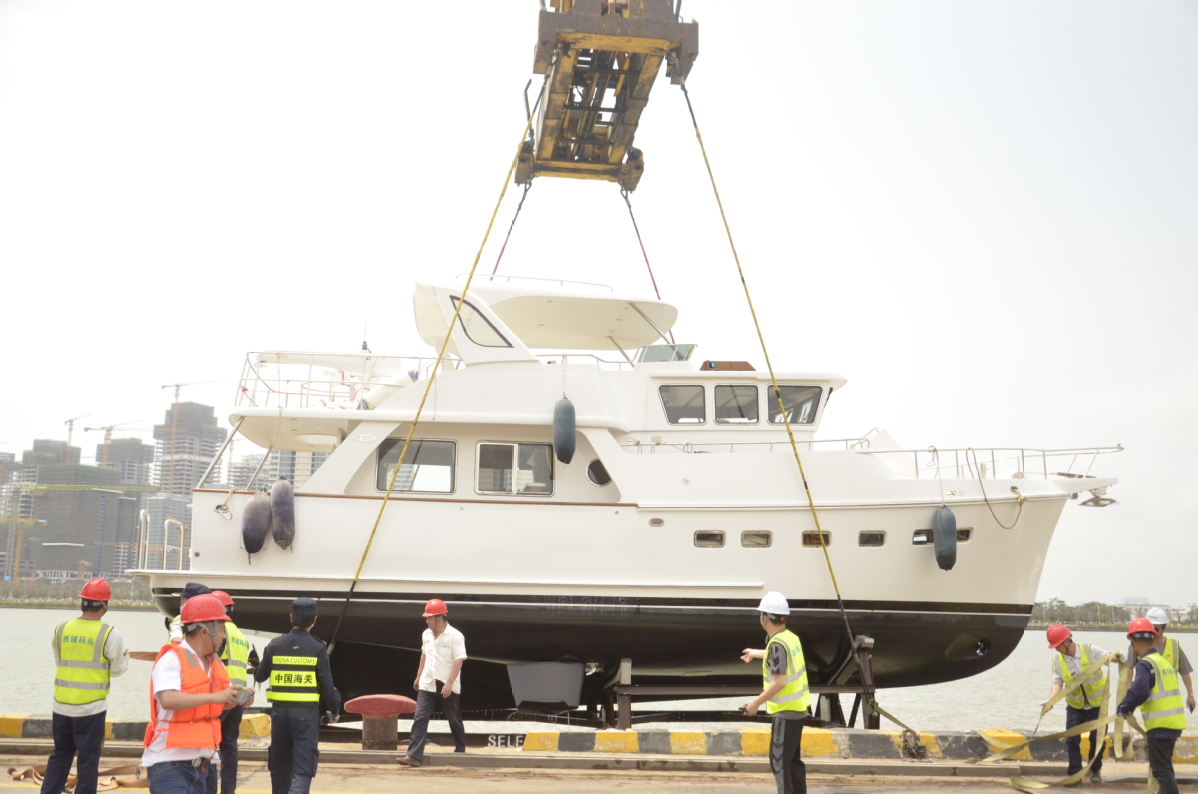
(296,467)
(47,450)
(187,442)
(239,473)
(131,457)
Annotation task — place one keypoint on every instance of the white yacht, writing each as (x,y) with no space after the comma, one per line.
(680,506)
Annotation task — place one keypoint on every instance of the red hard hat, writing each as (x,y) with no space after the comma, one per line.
(1058,634)
(96,590)
(1141,626)
(434,607)
(225,598)
(203,608)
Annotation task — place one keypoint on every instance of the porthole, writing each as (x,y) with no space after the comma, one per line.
(964,534)
(922,537)
(811,539)
(657,522)
(871,539)
(709,539)
(757,539)
(597,473)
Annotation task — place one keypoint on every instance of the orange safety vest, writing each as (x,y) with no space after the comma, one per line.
(199,726)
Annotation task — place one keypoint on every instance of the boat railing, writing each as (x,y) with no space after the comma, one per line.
(585,358)
(966,463)
(558,281)
(293,380)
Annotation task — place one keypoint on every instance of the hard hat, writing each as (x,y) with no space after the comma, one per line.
(96,590)
(201,609)
(774,603)
(434,607)
(226,600)
(1058,634)
(1157,616)
(1141,629)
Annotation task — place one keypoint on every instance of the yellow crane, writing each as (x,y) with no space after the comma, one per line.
(70,423)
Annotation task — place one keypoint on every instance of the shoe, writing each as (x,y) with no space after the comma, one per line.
(408,760)
(460,750)
(1096,778)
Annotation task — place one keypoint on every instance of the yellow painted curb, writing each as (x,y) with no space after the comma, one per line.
(255,726)
(754,742)
(541,741)
(11,724)
(929,741)
(1001,739)
(107,730)
(1184,752)
(615,742)
(688,743)
(819,743)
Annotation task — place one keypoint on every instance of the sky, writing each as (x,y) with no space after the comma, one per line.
(983,214)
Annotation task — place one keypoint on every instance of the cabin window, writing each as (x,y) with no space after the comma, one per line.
(963,535)
(515,468)
(709,539)
(800,403)
(478,328)
(925,537)
(597,473)
(427,467)
(811,539)
(871,539)
(736,405)
(684,404)
(656,353)
(757,539)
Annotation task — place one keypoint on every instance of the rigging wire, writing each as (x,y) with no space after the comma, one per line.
(432,377)
(637,229)
(519,207)
(773,377)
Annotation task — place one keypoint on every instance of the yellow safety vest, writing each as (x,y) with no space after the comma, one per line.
(293,679)
(235,654)
(795,696)
(1164,707)
(1171,652)
(82,675)
(1090,694)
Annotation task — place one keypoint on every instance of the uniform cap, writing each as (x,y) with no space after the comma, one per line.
(1057,635)
(303,607)
(1141,629)
(225,599)
(201,609)
(774,603)
(193,589)
(96,590)
(1157,616)
(434,607)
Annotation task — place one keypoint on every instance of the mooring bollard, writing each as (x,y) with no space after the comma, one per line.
(380,719)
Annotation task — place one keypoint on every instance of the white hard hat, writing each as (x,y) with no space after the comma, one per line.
(1157,616)
(774,603)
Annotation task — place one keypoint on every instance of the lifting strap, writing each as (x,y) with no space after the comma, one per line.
(637,229)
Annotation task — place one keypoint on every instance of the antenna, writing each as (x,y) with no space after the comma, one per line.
(365,327)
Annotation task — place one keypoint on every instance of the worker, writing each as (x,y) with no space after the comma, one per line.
(785,695)
(1155,691)
(300,681)
(174,625)
(235,655)
(88,653)
(1168,648)
(1083,705)
(189,690)
(438,681)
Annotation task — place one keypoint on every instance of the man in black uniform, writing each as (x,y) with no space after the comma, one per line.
(297,666)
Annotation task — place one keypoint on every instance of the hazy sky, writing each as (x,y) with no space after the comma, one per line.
(983,214)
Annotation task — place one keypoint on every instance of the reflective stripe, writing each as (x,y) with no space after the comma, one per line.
(1090,692)
(305,696)
(80,684)
(788,698)
(236,663)
(1164,707)
(1169,713)
(84,665)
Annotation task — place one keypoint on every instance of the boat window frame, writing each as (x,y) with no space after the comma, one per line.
(666,411)
(591,479)
(515,457)
(715,404)
(379,465)
(771,401)
(455,300)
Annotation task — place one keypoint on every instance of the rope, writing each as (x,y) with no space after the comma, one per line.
(519,207)
(773,378)
(981,483)
(432,377)
(637,229)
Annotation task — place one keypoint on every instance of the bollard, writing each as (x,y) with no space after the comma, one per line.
(380,719)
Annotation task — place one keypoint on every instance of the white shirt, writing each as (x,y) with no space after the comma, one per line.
(1074,662)
(114,652)
(168,675)
(439,655)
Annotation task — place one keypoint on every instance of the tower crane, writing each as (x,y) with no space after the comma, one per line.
(108,434)
(170,474)
(70,423)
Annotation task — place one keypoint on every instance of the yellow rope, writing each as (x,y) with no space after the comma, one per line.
(773,378)
(433,374)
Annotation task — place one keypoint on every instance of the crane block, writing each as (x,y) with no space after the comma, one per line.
(600,58)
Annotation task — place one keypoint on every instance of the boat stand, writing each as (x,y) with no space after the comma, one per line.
(827,707)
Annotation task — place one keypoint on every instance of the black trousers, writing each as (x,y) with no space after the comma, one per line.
(294,733)
(1160,763)
(426,704)
(82,735)
(790,772)
(230,727)
(1073,745)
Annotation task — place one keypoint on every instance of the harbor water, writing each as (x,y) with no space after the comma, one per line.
(1007,696)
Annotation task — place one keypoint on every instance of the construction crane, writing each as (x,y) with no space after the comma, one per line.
(70,423)
(170,469)
(600,58)
(108,434)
